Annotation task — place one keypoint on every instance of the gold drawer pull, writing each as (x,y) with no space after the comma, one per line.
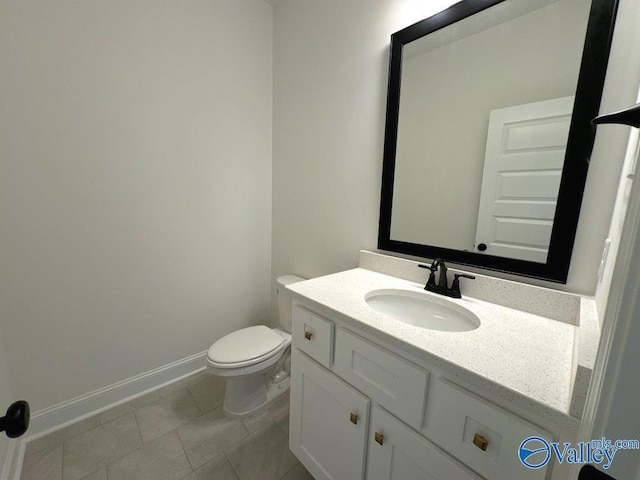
(308,335)
(480,442)
(354,418)
(379,438)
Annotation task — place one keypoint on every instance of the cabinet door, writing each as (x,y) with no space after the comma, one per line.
(328,422)
(398,453)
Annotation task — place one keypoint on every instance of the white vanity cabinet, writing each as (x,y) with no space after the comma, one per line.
(330,440)
(360,411)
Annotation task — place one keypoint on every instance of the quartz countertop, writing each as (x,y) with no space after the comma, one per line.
(520,357)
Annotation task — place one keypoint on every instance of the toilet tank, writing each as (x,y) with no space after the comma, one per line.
(284,300)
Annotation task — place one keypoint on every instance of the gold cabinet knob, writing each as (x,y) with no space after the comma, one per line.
(481,442)
(308,335)
(354,418)
(379,438)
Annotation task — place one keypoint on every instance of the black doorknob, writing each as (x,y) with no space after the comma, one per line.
(482,247)
(16,421)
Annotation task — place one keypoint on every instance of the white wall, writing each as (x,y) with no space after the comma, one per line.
(617,223)
(330,73)
(330,64)
(447,95)
(630,25)
(135,191)
(6,399)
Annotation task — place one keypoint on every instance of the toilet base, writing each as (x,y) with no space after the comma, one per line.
(247,396)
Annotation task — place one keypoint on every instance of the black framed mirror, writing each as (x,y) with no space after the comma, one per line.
(488,133)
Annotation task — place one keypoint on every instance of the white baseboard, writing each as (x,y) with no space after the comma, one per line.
(44,422)
(67,413)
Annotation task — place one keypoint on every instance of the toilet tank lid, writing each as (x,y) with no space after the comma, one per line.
(289,279)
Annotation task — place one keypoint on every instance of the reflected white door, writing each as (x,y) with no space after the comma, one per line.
(522,168)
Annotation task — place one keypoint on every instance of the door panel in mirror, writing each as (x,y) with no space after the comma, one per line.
(523,162)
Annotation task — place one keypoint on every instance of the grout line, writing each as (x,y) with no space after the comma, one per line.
(64,440)
(62,461)
(161,399)
(135,417)
(194,400)
(61,443)
(185,452)
(100,422)
(248,434)
(286,432)
(95,471)
(130,453)
(233,469)
(120,457)
(291,470)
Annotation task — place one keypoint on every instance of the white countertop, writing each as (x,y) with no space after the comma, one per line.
(516,355)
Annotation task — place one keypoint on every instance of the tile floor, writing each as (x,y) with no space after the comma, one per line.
(176,432)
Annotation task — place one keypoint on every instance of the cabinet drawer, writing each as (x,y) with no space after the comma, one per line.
(456,416)
(398,453)
(391,381)
(313,335)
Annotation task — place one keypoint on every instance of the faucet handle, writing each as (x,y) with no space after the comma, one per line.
(432,275)
(460,275)
(455,286)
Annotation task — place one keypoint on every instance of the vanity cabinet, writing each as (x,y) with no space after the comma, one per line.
(331,434)
(360,411)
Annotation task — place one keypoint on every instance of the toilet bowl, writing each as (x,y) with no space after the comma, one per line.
(255,360)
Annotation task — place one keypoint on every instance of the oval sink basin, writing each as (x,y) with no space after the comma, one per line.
(423,311)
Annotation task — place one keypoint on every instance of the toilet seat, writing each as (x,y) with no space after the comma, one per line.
(246,347)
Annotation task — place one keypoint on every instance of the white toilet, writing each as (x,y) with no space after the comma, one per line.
(255,360)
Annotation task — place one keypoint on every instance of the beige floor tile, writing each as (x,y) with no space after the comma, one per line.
(207,436)
(183,383)
(208,392)
(56,438)
(44,464)
(162,459)
(217,469)
(263,455)
(283,422)
(89,451)
(274,410)
(128,407)
(298,473)
(178,439)
(166,414)
(99,475)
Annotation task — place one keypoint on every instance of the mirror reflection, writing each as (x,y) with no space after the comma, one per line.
(485,109)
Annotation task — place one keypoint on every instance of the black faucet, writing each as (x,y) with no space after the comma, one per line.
(441,286)
(438,263)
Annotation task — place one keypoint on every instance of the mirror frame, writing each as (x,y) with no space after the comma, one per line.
(589,88)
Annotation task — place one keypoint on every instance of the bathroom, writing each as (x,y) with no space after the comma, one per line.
(163,163)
